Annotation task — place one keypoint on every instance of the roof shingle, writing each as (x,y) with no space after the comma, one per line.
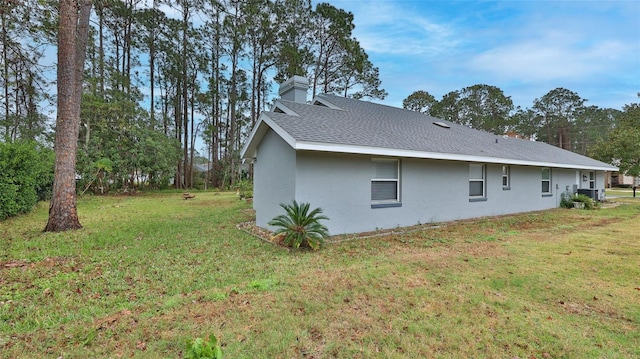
(368,125)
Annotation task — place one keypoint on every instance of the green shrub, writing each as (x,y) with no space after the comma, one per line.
(200,348)
(589,203)
(26,176)
(565,200)
(301,227)
(244,188)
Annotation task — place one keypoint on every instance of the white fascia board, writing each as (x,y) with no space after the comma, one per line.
(380,151)
(325,102)
(249,148)
(259,130)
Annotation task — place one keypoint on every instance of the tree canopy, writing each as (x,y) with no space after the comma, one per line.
(173,75)
(560,117)
(558,110)
(419,101)
(622,146)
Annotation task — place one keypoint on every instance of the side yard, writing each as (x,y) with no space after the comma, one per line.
(149,272)
(622,192)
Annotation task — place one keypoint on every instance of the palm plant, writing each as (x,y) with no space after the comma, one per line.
(301,227)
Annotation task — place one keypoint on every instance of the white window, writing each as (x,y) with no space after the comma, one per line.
(592,180)
(385,184)
(546,180)
(506,177)
(476,180)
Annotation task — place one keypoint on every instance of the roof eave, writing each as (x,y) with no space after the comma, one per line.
(380,151)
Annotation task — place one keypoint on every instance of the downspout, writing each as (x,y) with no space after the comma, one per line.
(557,186)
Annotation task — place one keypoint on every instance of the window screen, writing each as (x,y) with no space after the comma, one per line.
(546,180)
(476,180)
(506,176)
(384,190)
(384,181)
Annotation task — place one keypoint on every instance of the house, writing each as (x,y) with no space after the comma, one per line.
(371,166)
(617,179)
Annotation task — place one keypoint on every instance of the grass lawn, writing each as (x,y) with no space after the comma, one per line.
(622,192)
(149,272)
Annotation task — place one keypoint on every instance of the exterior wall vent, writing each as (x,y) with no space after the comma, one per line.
(441,124)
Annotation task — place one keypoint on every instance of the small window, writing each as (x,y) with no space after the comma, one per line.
(546,180)
(385,184)
(476,180)
(592,180)
(506,177)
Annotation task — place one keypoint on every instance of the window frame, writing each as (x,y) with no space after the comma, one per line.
(592,180)
(506,177)
(482,180)
(384,203)
(543,180)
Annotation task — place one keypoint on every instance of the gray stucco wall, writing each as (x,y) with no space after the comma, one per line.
(340,185)
(431,191)
(274,177)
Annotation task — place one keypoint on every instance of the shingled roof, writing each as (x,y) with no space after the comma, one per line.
(337,124)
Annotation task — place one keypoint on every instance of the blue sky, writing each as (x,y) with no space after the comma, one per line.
(526,48)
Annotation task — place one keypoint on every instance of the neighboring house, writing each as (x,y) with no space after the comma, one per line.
(371,166)
(620,179)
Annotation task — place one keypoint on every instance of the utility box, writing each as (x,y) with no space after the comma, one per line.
(593,193)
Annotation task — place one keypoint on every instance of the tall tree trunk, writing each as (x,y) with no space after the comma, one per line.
(232,118)
(5,60)
(217,112)
(185,105)
(565,139)
(254,87)
(177,109)
(73,31)
(192,145)
(152,69)
(101,50)
(127,47)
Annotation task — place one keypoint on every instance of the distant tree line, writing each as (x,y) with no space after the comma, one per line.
(160,78)
(561,118)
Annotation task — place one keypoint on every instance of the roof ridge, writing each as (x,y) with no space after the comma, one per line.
(393,108)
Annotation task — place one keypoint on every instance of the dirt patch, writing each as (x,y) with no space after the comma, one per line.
(68,263)
(13,264)
(603,222)
(112,321)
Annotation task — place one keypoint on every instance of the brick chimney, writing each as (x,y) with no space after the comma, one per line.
(294,89)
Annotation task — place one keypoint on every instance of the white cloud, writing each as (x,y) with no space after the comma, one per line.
(553,56)
(389,29)
(524,48)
